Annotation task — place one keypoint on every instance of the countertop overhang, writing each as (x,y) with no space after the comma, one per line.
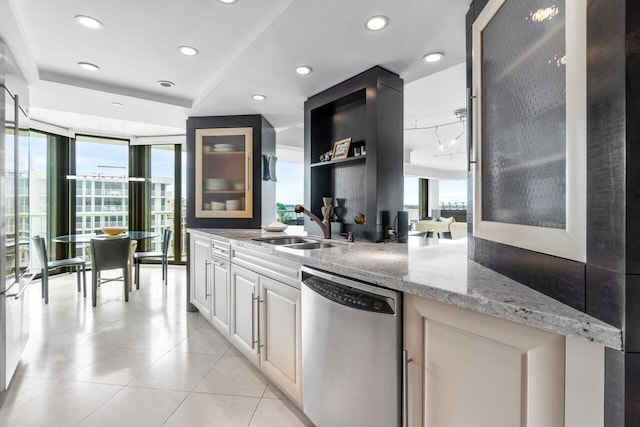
(437,269)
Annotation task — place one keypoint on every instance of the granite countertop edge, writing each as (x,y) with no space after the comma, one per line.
(527,308)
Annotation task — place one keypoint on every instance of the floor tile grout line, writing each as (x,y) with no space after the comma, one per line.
(58,381)
(99,406)
(176,408)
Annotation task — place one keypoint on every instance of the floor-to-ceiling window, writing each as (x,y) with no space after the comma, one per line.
(163,192)
(38,203)
(17,222)
(102,188)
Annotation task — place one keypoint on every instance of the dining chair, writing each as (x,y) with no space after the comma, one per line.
(163,255)
(109,253)
(46,265)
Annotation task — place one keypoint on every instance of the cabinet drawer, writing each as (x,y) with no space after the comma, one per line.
(276,268)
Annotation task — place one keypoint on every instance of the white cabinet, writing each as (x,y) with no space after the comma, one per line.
(280,336)
(199,274)
(244,311)
(266,326)
(466,368)
(220,310)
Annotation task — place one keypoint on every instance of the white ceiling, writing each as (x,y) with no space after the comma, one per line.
(249,47)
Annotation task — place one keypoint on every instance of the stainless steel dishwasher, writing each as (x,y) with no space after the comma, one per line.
(351,352)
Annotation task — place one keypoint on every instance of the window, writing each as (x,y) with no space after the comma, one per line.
(289,192)
(162,192)
(102,168)
(411,197)
(453,194)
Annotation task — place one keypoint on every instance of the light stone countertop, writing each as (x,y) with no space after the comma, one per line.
(438,270)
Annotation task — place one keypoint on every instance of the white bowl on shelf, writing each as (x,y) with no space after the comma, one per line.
(223,147)
(238,186)
(218,206)
(232,205)
(216,184)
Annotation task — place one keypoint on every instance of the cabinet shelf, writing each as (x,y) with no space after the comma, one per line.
(333,162)
(224,192)
(222,153)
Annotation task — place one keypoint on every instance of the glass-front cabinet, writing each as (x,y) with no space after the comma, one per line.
(223,173)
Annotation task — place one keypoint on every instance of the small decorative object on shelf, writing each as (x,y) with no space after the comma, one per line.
(363,150)
(356,151)
(339,210)
(341,149)
(327,209)
(326,156)
(360,218)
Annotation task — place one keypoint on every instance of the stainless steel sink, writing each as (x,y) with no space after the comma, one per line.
(283,240)
(311,245)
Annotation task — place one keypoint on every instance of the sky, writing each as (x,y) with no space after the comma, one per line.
(290,184)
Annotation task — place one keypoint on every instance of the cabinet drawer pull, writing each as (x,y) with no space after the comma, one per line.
(470,123)
(254,341)
(207,263)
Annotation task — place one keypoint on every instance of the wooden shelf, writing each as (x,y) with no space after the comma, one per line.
(224,191)
(218,153)
(333,162)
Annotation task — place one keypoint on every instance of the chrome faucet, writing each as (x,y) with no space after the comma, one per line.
(325,225)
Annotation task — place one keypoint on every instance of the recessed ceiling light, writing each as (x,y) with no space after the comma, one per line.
(376,23)
(227,1)
(116,104)
(188,50)
(258,97)
(433,57)
(166,83)
(89,22)
(87,66)
(303,69)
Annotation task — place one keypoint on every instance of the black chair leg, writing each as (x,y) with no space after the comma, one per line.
(46,288)
(94,287)
(84,280)
(78,276)
(137,279)
(127,278)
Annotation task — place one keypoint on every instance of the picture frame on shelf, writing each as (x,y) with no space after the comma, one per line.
(341,149)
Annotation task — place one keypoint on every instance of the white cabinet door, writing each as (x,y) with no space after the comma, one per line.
(220,313)
(471,369)
(280,351)
(199,274)
(244,307)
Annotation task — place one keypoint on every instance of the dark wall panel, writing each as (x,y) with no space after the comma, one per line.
(605,291)
(632,86)
(559,278)
(605,135)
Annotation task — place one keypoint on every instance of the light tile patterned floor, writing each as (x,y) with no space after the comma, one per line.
(146,362)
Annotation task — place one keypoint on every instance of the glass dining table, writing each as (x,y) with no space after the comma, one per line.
(86,238)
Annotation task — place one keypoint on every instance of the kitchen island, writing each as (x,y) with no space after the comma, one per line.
(437,269)
(481,349)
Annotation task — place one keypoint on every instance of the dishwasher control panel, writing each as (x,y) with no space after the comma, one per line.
(351,297)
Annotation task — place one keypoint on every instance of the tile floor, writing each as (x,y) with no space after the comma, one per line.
(146,362)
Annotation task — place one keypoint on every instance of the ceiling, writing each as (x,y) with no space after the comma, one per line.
(248,47)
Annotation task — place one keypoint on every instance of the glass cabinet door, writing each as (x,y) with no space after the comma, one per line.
(224,173)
